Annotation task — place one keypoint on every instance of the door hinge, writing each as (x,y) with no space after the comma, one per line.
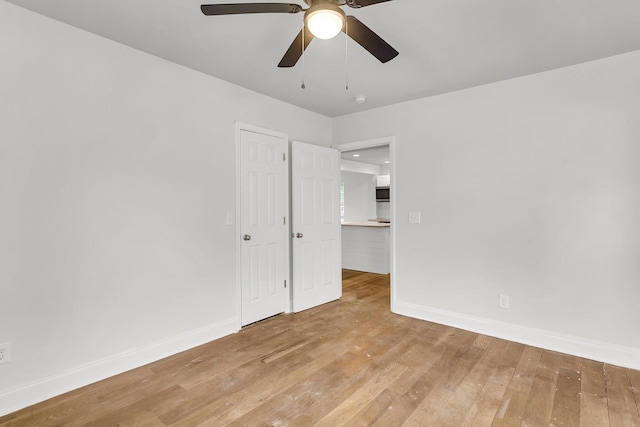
(284,157)
(285,284)
(284,220)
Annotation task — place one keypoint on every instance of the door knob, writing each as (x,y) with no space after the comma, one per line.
(246,237)
(299,235)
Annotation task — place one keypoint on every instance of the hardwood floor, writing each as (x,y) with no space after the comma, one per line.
(352,362)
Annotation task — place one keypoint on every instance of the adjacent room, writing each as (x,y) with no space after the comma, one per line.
(365,209)
(504,282)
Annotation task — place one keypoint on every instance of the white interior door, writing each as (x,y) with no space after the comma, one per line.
(263,230)
(315,202)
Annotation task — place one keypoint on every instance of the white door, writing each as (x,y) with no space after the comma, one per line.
(263,230)
(315,219)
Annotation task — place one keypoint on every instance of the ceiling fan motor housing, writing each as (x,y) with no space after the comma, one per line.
(317,5)
(333,2)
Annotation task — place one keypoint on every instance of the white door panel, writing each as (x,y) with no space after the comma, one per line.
(263,204)
(315,201)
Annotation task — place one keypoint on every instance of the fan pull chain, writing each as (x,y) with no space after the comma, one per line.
(303,86)
(346,53)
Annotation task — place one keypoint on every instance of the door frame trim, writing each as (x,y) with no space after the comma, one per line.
(239,127)
(391,142)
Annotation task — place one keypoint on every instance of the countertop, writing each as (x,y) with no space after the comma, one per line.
(366,224)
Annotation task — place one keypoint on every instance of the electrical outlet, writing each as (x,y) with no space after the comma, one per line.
(504,301)
(414,217)
(5,352)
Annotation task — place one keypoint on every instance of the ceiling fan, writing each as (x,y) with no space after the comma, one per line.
(323,19)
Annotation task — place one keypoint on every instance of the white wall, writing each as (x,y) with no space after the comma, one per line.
(116,171)
(359,196)
(527,187)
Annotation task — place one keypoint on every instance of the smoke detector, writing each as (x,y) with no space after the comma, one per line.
(361,99)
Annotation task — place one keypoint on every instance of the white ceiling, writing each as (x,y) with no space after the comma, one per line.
(373,155)
(444,45)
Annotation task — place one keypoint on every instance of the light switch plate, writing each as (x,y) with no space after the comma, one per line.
(229,218)
(414,217)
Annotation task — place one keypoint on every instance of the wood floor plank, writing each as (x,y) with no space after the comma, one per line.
(232,360)
(358,373)
(420,357)
(70,408)
(540,402)
(469,390)
(451,375)
(483,411)
(593,398)
(620,398)
(320,407)
(376,408)
(514,402)
(352,362)
(634,378)
(566,401)
(138,410)
(426,381)
(230,407)
(364,395)
(214,397)
(317,394)
(594,411)
(296,400)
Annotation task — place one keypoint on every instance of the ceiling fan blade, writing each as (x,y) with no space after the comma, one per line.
(369,40)
(294,52)
(241,8)
(362,3)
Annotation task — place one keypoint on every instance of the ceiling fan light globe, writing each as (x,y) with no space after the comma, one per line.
(324,23)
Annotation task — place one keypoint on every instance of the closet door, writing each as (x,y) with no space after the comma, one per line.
(263,236)
(315,216)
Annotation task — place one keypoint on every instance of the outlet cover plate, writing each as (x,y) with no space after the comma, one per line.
(5,352)
(229,218)
(504,301)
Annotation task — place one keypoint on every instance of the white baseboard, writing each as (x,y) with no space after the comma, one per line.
(595,350)
(46,388)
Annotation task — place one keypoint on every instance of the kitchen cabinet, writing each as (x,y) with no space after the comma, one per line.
(366,246)
(383,180)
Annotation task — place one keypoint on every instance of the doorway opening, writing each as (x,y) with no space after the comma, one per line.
(367,208)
